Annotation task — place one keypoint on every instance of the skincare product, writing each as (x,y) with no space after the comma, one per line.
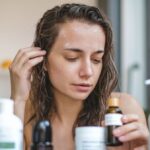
(113,120)
(42,136)
(11,127)
(90,138)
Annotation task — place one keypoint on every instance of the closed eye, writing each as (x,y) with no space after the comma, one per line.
(97,61)
(71,59)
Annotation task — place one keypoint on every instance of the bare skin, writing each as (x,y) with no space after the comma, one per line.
(135,119)
(83,62)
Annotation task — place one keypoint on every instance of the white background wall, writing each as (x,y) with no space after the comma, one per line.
(134,48)
(18,20)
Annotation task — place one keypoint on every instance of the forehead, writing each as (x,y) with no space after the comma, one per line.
(80,28)
(82,34)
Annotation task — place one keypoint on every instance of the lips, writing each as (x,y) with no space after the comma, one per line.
(82,87)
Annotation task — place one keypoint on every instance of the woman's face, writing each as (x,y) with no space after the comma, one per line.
(75,61)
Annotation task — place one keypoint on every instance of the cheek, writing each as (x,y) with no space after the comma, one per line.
(100,70)
(58,73)
(98,73)
(55,76)
(55,72)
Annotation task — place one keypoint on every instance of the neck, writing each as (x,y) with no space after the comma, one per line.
(67,109)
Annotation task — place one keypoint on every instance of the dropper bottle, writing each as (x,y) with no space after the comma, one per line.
(113,120)
(42,136)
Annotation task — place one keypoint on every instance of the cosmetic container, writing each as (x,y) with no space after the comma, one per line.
(42,136)
(11,127)
(90,138)
(113,120)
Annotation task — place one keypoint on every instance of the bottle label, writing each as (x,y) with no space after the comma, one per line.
(90,145)
(7,145)
(113,119)
(90,138)
(10,139)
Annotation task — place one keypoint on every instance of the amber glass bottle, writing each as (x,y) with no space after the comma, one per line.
(112,120)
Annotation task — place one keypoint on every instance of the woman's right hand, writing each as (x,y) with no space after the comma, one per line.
(21,69)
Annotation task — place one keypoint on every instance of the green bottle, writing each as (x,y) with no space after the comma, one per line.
(113,120)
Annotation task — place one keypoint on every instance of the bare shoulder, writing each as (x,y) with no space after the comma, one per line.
(129,105)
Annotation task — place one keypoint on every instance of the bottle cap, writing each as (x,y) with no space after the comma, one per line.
(6,106)
(113,101)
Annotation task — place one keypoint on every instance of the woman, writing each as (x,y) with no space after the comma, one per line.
(73,74)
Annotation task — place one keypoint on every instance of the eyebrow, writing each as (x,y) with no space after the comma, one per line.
(80,50)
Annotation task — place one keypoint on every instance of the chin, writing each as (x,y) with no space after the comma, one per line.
(80,97)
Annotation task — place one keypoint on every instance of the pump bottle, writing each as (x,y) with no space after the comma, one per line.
(42,136)
(113,120)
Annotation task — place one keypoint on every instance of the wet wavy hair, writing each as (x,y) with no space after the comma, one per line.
(47,31)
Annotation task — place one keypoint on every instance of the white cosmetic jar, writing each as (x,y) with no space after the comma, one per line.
(90,138)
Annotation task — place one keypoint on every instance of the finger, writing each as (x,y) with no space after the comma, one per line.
(24,56)
(22,51)
(137,134)
(32,62)
(30,55)
(130,118)
(120,131)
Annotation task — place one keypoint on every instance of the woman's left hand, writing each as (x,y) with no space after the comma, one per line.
(133,130)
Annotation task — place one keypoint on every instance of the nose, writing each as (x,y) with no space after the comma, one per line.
(86,69)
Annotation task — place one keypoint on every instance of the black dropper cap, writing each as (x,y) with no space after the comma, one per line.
(42,136)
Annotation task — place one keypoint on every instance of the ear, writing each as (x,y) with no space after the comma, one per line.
(44,65)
